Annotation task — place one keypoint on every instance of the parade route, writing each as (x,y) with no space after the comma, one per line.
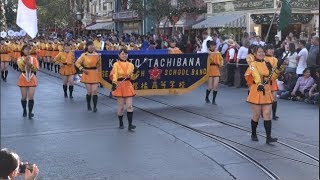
(68,142)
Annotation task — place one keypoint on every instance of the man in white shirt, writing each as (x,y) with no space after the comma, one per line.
(302,58)
(258,41)
(242,62)
(216,39)
(231,58)
(206,38)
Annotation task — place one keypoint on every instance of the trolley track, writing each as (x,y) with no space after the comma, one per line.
(242,128)
(221,140)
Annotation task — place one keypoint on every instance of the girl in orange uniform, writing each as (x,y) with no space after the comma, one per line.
(90,64)
(5,59)
(122,73)
(67,71)
(173,49)
(260,96)
(216,62)
(55,52)
(274,86)
(16,53)
(49,47)
(27,82)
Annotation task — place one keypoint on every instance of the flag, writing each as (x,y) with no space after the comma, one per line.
(27,17)
(285,14)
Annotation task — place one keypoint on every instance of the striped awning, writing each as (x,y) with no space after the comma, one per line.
(224,20)
(101,25)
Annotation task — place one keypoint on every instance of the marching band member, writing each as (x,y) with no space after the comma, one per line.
(33,49)
(216,62)
(5,59)
(46,53)
(98,42)
(67,71)
(260,96)
(81,45)
(16,54)
(90,63)
(250,58)
(133,46)
(274,86)
(27,82)
(173,49)
(42,51)
(55,52)
(49,52)
(109,46)
(122,74)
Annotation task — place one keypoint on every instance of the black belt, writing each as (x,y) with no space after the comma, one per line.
(65,63)
(90,67)
(213,64)
(121,79)
(31,71)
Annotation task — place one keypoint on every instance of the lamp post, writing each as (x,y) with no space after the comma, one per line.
(174,18)
(78,22)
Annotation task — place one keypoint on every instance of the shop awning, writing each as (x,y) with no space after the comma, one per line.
(224,20)
(101,25)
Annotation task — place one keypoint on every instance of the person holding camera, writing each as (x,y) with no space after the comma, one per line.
(260,96)
(89,64)
(11,167)
(121,75)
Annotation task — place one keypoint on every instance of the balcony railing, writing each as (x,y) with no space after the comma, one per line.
(125,15)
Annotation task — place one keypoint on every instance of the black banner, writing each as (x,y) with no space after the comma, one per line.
(162,74)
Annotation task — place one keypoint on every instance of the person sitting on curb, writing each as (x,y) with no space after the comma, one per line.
(313,95)
(303,85)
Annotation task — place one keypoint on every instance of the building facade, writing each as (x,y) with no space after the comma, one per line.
(256,16)
(98,15)
(129,21)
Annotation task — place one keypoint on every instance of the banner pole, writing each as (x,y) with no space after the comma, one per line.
(274,15)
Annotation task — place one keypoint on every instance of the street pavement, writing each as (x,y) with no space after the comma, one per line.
(68,142)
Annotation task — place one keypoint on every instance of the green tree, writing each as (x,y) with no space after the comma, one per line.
(157,10)
(10,7)
(54,14)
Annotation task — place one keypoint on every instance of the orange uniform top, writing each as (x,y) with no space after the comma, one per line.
(33,50)
(43,46)
(5,49)
(49,47)
(17,47)
(122,69)
(66,58)
(88,60)
(22,64)
(174,50)
(55,47)
(109,47)
(215,60)
(60,48)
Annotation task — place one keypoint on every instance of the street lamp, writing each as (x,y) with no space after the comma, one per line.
(79,16)
(78,22)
